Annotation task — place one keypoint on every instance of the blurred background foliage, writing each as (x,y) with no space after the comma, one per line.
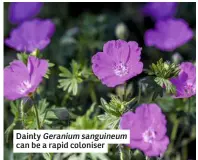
(81,31)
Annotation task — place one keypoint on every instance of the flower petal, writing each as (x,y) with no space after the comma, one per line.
(14,76)
(37,68)
(158,147)
(22,11)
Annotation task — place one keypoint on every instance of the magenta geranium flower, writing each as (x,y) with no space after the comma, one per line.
(23,11)
(185,83)
(31,35)
(160,10)
(118,62)
(147,129)
(168,34)
(21,80)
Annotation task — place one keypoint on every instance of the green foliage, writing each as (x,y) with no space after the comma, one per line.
(165,83)
(79,38)
(111,120)
(23,57)
(86,156)
(150,88)
(16,112)
(88,121)
(77,75)
(50,65)
(45,113)
(47,156)
(116,106)
(163,71)
(113,111)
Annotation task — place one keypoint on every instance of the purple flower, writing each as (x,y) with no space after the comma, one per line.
(169,34)
(185,83)
(147,129)
(22,11)
(118,62)
(160,10)
(21,80)
(31,35)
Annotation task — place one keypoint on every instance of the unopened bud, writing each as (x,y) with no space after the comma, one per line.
(121,31)
(35,53)
(177,58)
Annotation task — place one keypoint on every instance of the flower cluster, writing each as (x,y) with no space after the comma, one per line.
(31,33)
(117,63)
(169,33)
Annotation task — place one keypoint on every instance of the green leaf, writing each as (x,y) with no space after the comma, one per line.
(111,120)
(164,70)
(125,153)
(88,121)
(50,65)
(164,83)
(72,78)
(43,108)
(98,156)
(65,72)
(22,57)
(60,113)
(116,106)
(47,156)
(15,107)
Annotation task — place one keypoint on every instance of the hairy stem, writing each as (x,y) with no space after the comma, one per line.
(37,117)
(21,110)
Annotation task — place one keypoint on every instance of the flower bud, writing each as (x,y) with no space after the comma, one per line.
(177,58)
(121,31)
(35,53)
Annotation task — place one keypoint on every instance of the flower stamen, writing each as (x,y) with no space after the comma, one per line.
(149,135)
(121,70)
(24,86)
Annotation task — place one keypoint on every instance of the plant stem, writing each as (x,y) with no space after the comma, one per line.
(125,152)
(30,156)
(133,99)
(21,111)
(189,106)
(92,93)
(139,93)
(174,130)
(65,99)
(37,117)
(147,158)
(125,90)
(10,128)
